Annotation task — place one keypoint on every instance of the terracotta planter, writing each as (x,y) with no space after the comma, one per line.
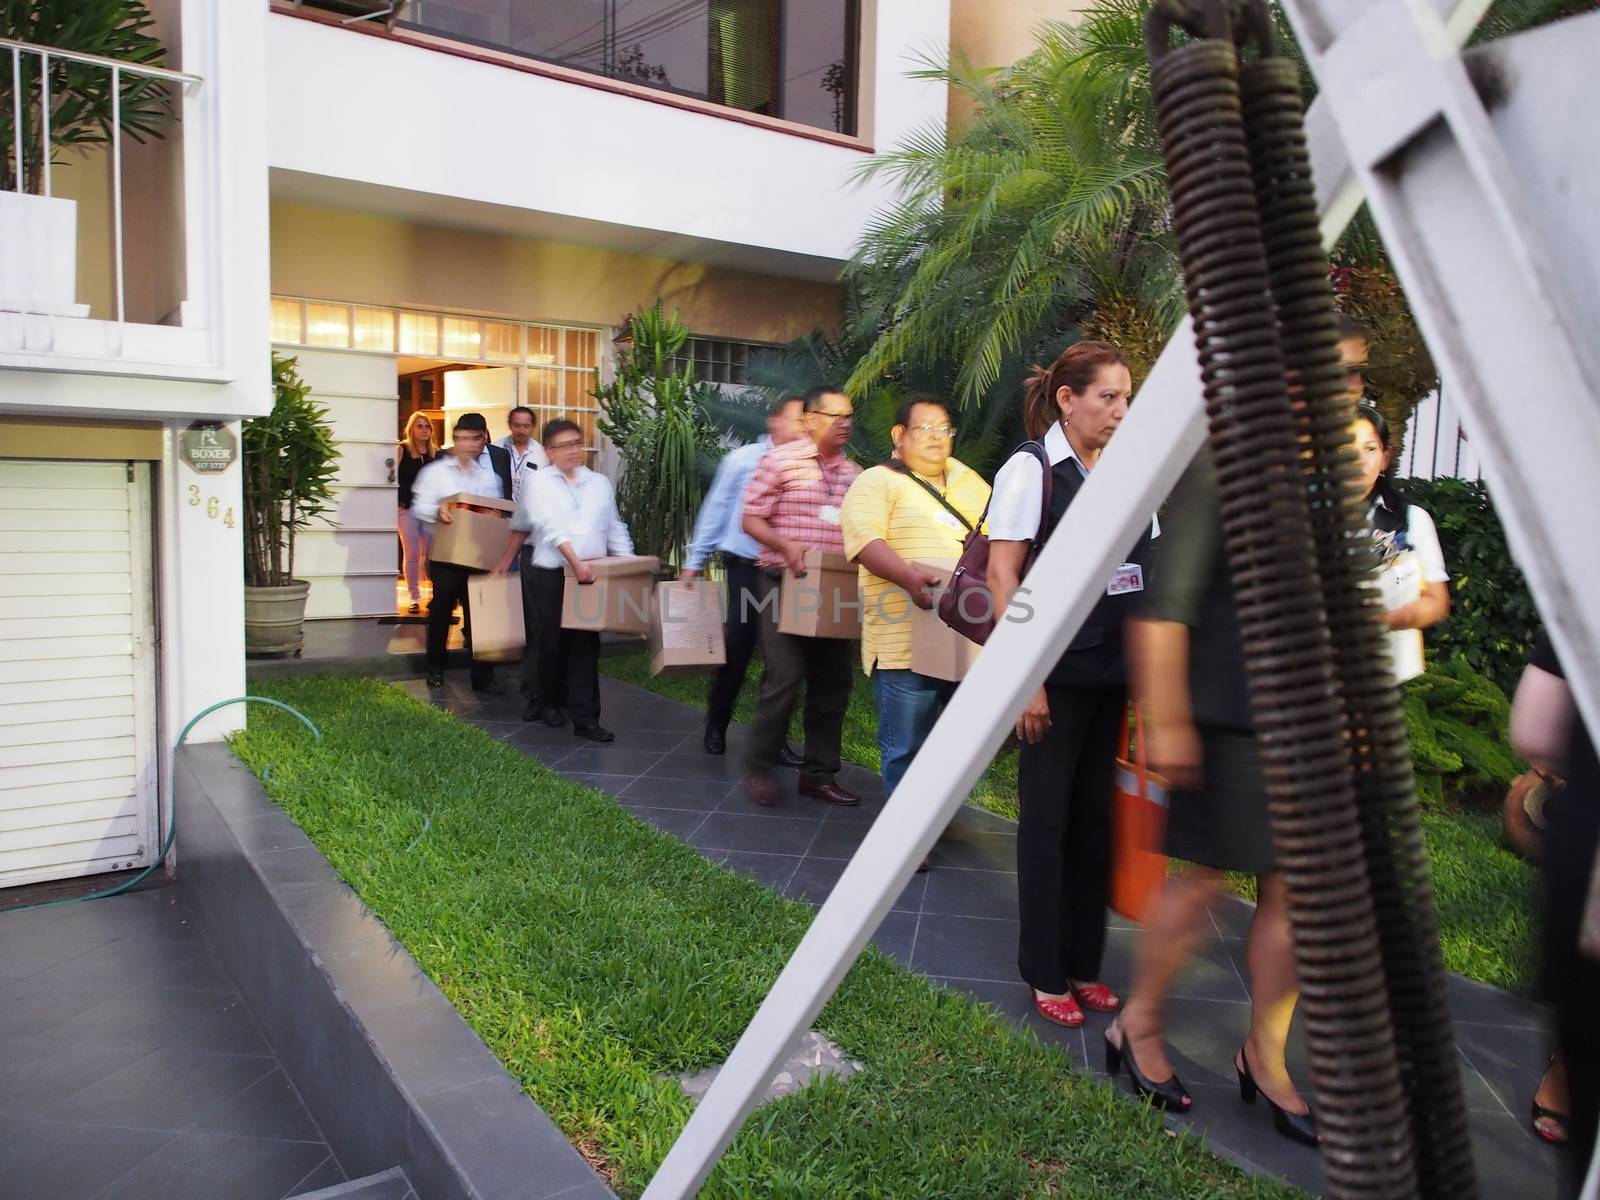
(273,617)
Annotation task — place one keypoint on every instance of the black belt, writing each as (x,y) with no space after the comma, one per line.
(728,558)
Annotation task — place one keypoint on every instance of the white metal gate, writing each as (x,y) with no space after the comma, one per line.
(77,671)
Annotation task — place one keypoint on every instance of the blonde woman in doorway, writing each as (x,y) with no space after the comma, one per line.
(416,450)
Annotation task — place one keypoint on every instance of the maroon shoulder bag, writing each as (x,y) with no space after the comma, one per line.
(967,604)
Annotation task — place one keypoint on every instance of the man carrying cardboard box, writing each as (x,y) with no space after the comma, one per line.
(456,472)
(921,504)
(571,514)
(720,528)
(791,506)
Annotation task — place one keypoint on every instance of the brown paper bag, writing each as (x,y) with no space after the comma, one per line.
(686,628)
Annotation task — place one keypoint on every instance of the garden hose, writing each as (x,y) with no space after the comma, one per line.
(1296,701)
(172,807)
(1379,752)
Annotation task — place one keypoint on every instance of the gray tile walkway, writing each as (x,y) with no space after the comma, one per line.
(957,925)
(132,1068)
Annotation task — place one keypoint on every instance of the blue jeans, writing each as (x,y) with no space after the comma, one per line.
(908,706)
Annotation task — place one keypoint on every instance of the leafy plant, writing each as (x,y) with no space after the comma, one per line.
(1492,618)
(658,418)
(289,462)
(1456,719)
(81,95)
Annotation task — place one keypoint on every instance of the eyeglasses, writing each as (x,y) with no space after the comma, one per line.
(936,430)
(834,416)
(565,446)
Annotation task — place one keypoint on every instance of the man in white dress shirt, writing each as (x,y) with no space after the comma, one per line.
(456,471)
(527,455)
(571,514)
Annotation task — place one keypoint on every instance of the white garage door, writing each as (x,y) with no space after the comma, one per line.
(77,681)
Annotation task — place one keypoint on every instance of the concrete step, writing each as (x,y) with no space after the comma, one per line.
(387,1185)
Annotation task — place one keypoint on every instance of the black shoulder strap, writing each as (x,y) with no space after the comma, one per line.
(894,464)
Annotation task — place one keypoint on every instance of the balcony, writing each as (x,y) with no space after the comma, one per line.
(110,244)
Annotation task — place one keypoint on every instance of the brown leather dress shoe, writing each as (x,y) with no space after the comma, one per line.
(827,789)
(760,789)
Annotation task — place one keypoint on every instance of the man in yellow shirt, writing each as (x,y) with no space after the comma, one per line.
(920,505)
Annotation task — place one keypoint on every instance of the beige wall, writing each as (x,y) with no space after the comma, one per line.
(995,34)
(329,255)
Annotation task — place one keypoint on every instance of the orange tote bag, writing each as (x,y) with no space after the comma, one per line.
(1138,822)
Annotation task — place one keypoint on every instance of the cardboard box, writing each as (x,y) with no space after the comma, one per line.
(477,536)
(826,603)
(938,651)
(686,628)
(495,601)
(618,601)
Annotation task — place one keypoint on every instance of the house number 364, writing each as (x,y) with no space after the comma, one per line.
(213,506)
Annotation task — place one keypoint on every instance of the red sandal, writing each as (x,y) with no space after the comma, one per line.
(1097,996)
(1064,1011)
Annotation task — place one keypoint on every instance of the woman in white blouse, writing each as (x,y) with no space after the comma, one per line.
(1411,571)
(1069,730)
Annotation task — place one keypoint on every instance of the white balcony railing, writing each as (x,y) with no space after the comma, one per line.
(44,322)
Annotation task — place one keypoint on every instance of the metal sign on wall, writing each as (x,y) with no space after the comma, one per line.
(209,447)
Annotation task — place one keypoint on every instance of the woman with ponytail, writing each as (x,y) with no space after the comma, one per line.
(1411,571)
(1070,729)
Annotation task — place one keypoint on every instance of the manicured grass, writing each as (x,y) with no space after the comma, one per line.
(1486,896)
(597,956)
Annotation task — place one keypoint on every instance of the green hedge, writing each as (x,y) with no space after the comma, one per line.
(1492,618)
(1456,719)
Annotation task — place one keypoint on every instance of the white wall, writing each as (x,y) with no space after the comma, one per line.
(380,113)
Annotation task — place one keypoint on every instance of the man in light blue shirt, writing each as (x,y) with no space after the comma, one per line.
(720,528)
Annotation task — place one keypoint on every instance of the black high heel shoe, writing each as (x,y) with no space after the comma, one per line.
(1168,1093)
(1297,1127)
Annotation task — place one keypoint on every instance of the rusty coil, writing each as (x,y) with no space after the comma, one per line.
(1379,755)
(1296,701)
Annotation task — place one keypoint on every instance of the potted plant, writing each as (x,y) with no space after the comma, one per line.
(38,233)
(657,415)
(289,462)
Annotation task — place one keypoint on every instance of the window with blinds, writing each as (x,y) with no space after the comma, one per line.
(797,61)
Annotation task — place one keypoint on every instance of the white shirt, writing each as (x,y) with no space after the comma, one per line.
(445,476)
(523,463)
(1014,508)
(1410,558)
(580,512)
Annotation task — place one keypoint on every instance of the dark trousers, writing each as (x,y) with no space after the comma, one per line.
(568,659)
(824,668)
(1064,837)
(531,626)
(740,633)
(450,589)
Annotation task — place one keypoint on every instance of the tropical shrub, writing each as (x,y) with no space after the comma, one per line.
(290,459)
(1456,719)
(656,415)
(1492,616)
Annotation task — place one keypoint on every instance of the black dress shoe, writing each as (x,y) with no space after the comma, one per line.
(788,758)
(595,733)
(533,712)
(716,742)
(488,687)
(435,679)
(553,717)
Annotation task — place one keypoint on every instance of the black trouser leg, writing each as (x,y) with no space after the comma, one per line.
(783,674)
(740,634)
(830,670)
(549,583)
(531,625)
(1064,837)
(581,651)
(449,590)
(1572,979)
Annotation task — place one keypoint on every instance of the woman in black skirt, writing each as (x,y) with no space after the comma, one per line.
(1187,668)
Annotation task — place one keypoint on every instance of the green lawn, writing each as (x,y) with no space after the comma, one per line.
(596,955)
(1486,895)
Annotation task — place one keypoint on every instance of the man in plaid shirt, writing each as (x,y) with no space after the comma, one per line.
(790,506)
